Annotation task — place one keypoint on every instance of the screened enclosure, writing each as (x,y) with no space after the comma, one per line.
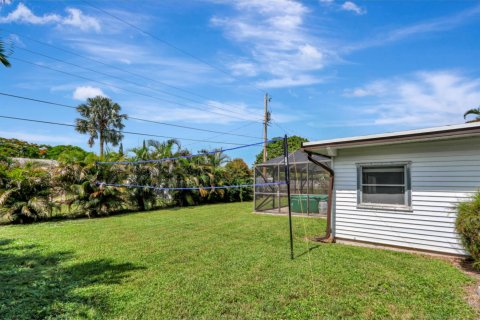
(308,185)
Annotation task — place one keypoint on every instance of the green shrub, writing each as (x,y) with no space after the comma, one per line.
(27,194)
(468,226)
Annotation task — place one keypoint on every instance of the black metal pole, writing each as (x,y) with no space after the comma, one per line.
(287,181)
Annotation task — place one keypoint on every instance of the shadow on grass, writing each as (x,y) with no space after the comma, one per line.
(37,285)
(310,248)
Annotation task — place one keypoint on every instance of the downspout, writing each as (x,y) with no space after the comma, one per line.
(328,237)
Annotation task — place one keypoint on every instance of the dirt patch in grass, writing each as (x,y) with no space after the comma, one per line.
(471,291)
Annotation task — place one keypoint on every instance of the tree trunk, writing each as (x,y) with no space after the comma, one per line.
(101,146)
(141,203)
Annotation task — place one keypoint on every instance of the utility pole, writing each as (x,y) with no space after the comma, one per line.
(266,122)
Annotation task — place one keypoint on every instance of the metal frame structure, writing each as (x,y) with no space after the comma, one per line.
(307,179)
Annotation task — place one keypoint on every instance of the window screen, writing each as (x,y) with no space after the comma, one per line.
(383,184)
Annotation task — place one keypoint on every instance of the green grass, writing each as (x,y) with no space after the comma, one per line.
(216,261)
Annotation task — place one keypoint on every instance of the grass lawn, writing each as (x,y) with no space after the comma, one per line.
(216,261)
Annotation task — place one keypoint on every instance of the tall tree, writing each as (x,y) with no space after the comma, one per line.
(238,169)
(474,111)
(101,119)
(120,150)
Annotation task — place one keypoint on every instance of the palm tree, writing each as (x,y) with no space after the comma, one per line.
(95,200)
(142,175)
(5,167)
(166,149)
(101,119)
(3,55)
(27,194)
(212,172)
(475,112)
(77,182)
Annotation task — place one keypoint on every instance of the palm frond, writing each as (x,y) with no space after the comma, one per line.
(5,196)
(474,111)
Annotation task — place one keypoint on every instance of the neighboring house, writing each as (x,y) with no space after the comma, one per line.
(401,189)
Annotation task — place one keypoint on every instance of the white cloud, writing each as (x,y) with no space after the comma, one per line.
(212,114)
(109,49)
(24,15)
(215,112)
(153,64)
(440,24)
(302,80)
(74,18)
(280,46)
(435,25)
(82,93)
(351,6)
(375,88)
(424,98)
(77,19)
(244,69)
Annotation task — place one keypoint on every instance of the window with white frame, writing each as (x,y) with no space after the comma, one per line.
(386,184)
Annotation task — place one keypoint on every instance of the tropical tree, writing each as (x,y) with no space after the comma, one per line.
(142,175)
(120,150)
(165,149)
(68,150)
(5,165)
(92,199)
(102,120)
(27,194)
(238,173)
(81,184)
(168,168)
(3,55)
(211,173)
(237,168)
(275,149)
(474,111)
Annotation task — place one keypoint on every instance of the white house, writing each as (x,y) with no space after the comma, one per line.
(401,189)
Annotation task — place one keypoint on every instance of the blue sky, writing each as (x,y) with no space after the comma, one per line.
(333,68)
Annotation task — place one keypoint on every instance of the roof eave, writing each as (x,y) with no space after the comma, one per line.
(330,148)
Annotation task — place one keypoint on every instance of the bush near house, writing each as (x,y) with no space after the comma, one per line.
(468,226)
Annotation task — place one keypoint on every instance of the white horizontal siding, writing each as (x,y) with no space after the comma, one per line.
(443,173)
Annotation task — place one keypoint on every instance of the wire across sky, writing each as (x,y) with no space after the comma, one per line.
(123,131)
(205,106)
(133,118)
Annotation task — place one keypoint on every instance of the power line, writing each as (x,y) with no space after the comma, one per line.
(127,90)
(107,64)
(283,129)
(219,135)
(190,156)
(128,81)
(238,186)
(37,100)
(164,41)
(133,118)
(119,131)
